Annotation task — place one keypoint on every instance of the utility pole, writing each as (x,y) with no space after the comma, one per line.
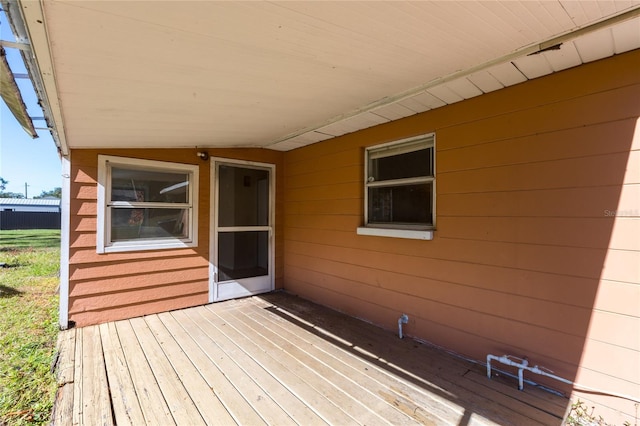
(25,190)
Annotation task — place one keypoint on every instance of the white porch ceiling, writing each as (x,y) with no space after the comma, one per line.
(282,75)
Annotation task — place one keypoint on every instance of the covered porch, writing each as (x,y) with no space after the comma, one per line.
(276,359)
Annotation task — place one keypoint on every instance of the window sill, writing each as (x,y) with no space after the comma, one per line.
(124,247)
(396,233)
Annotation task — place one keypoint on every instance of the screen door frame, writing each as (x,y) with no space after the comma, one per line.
(236,288)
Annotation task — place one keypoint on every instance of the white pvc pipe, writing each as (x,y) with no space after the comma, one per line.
(402,320)
(506,359)
(523,364)
(540,371)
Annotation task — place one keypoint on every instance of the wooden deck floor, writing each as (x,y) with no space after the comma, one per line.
(276,359)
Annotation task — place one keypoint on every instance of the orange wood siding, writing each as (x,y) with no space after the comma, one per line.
(526,260)
(107,287)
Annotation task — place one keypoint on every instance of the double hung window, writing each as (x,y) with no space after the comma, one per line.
(145,205)
(400,188)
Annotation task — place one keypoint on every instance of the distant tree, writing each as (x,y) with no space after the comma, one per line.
(11,195)
(54,193)
(3,186)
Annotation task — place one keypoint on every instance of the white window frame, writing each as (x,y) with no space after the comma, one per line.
(419,232)
(103,240)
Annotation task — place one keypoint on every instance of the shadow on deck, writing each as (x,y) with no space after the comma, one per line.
(276,359)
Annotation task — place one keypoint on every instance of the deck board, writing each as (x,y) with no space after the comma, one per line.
(362,404)
(96,404)
(186,334)
(211,409)
(77,381)
(405,396)
(64,368)
(126,408)
(242,372)
(65,362)
(288,370)
(276,359)
(399,358)
(175,395)
(257,399)
(448,373)
(268,375)
(152,402)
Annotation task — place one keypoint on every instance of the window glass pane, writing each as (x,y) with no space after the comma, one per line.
(243,197)
(243,255)
(149,185)
(403,204)
(133,224)
(407,165)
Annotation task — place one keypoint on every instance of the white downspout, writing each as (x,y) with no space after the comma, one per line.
(65,218)
(402,320)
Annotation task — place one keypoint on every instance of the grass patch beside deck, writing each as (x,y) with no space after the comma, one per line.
(28,324)
(32,238)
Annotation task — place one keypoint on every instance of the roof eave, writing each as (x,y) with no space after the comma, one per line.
(38,62)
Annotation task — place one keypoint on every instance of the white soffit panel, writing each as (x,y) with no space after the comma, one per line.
(565,57)
(464,87)
(312,137)
(596,45)
(485,81)
(626,36)
(507,74)
(556,16)
(585,12)
(533,66)
(352,124)
(301,140)
(428,100)
(445,93)
(289,144)
(414,105)
(304,139)
(394,111)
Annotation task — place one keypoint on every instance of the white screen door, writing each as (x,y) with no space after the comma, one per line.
(242,215)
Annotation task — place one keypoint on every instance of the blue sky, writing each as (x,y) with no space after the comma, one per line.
(22,159)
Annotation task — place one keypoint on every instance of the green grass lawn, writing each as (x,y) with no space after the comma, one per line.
(33,238)
(28,324)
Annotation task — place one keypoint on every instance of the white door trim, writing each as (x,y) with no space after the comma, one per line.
(213,219)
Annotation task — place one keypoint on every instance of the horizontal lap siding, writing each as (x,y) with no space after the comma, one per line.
(529,257)
(107,287)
